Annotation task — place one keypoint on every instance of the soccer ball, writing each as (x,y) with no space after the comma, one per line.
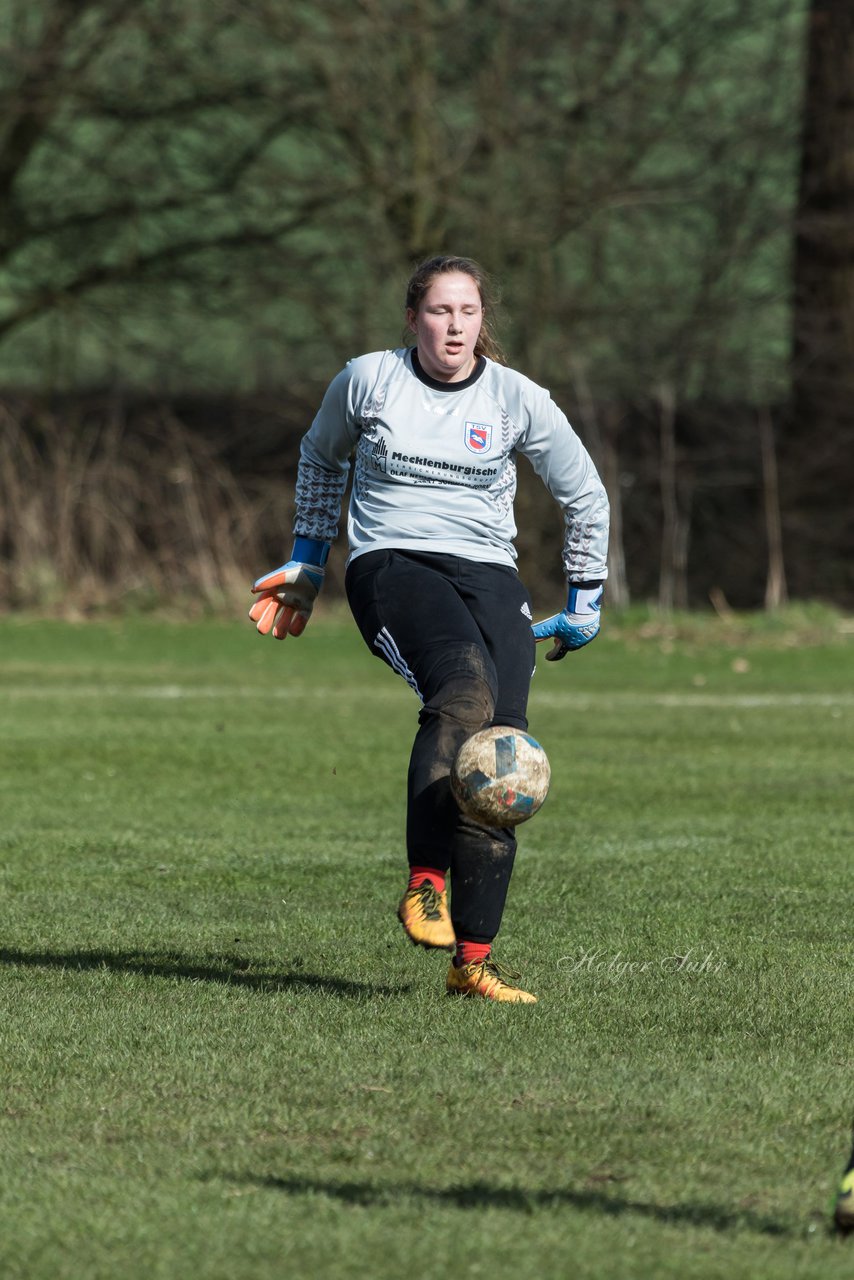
(500,776)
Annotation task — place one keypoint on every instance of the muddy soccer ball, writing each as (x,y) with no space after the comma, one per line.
(500,776)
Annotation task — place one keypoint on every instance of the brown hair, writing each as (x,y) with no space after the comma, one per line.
(424,275)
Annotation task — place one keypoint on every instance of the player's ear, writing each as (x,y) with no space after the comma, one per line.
(411,320)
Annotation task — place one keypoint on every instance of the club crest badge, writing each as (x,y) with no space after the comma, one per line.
(478,437)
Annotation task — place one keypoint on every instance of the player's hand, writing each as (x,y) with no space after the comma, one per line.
(286,596)
(574,626)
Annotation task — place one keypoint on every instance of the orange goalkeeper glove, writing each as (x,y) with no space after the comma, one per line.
(286,596)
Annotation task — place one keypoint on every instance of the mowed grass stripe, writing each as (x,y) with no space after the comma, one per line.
(317,692)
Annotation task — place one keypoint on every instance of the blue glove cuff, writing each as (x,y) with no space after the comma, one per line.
(310,551)
(575,587)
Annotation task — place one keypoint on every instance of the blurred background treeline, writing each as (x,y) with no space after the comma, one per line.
(208,206)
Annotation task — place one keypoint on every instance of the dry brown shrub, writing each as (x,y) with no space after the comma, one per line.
(96,513)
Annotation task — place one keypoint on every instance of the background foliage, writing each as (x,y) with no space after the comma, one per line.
(231,195)
(220,203)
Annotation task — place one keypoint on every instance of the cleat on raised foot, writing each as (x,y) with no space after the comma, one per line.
(843,1215)
(424,914)
(487,979)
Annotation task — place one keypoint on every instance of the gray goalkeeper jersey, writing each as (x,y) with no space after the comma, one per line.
(435,464)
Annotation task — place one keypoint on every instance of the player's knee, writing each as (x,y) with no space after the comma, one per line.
(466,685)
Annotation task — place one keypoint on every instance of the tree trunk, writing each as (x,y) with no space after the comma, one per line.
(775,583)
(601,441)
(823,336)
(617,586)
(673,541)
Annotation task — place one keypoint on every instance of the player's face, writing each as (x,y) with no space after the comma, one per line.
(446,326)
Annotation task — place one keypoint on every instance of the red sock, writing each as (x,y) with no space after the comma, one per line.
(471,952)
(417,876)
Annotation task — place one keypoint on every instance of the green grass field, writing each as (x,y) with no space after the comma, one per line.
(219,1058)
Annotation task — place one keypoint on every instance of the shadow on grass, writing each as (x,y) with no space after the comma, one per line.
(229,971)
(480,1196)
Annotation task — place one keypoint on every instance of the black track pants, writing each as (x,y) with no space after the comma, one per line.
(460,633)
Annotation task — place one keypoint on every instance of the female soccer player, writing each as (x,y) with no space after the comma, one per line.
(434,429)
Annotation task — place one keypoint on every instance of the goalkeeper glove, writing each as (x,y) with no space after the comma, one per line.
(574,626)
(286,596)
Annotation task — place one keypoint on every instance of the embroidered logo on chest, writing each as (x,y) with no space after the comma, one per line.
(478,436)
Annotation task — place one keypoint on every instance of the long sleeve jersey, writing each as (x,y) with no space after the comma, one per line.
(435,464)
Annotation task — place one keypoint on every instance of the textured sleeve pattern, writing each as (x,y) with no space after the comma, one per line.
(585,543)
(324,457)
(318,501)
